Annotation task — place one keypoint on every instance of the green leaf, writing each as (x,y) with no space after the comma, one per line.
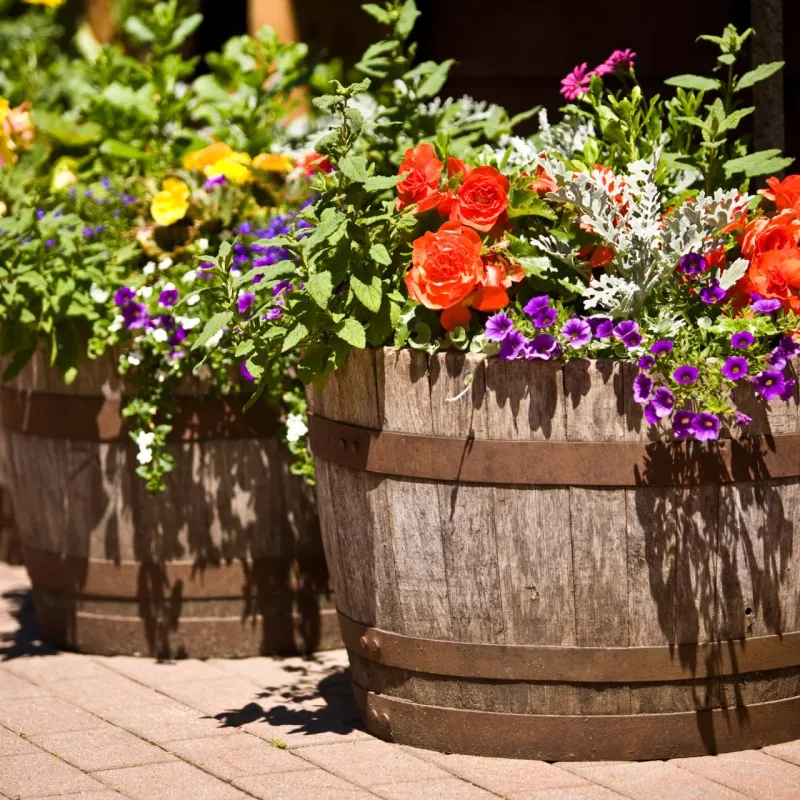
(294,337)
(368,294)
(213,327)
(695,82)
(352,331)
(354,168)
(71,134)
(760,73)
(378,13)
(256,370)
(432,85)
(320,287)
(380,255)
(381,183)
(407,19)
(117,149)
(244,348)
(138,30)
(763,162)
(186,28)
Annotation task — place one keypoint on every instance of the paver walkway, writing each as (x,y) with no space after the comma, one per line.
(91,728)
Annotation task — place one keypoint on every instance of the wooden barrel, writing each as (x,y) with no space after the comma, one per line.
(227,562)
(521,572)
(9,541)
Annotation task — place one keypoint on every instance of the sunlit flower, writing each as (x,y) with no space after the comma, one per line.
(172,203)
(235,167)
(200,159)
(577,82)
(48,3)
(273,162)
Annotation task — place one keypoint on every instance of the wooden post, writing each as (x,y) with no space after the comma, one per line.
(767,19)
(278,14)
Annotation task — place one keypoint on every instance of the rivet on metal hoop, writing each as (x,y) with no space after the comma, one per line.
(353,447)
(342,444)
(363,642)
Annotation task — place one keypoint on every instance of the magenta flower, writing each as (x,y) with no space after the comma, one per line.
(244,372)
(246,302)
(543,347)
(577,332)
(713,293)
(618,61)
(177,337)
(513,343)
(682,424)
(273,314)
(735,368)
(770,384)
(497,327)
(577,82)
(686,374)
(742,340)
(642,388)
(663,402)
(705,427)
(662,347)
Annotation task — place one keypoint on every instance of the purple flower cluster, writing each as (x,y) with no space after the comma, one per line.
(135,316)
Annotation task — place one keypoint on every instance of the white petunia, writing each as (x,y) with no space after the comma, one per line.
(202,245)
(160,335)
(187,323)
(145,455)
(146,292)
(116,323)
(296,427)
(193,300)
(145,439)
(190,276)
(149,268)
(99,295)
(165,263)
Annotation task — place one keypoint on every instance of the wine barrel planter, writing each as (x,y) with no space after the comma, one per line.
(227,562)
(521,572)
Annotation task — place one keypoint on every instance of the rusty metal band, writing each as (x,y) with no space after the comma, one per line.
(128,580)
(99,419)
(546,463)
(571,664)
(638,737)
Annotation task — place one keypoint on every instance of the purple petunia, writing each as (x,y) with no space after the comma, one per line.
(244,372)
(177,337)
(646,363)
(777,359)
(166,321)
(770,384)
(651,414)
(742,340)
(542,347)
(245,302)
(513,343)
(212,183)
(168,298)
(705,427)
(789,346)
(788,390)
(627,332)
(537,304)
(686,374)
(602,327)
(682,424)
(245,228)
(273,314)
(577,332)
(663,402)
(135,315)
(764,306)
(693,264)
(281,287)
(735,368)
(497,326)
(713,293)
(87,232)
(545,318)
(742,419)
(662,347)
(124,295)
(642,388)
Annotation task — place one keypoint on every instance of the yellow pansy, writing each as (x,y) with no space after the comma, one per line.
(200,159)
(234,167)
(3,208)
(48,3)
(274,162)
(171,203)
(63,175)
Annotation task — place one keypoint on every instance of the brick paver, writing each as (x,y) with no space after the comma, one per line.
(94,728)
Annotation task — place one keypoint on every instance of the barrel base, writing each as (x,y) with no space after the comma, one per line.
(641,737)
(63,624)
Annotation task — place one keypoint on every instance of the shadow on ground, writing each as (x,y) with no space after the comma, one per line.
(313,703)
(26,639)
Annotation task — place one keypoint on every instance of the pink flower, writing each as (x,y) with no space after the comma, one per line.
(577,82)
(619,60)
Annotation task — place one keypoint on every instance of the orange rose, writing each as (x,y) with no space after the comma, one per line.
(542,183)
(778,233)
(491,295)
(785,194)
(421,170)
(775,274)
(481,200)
(446,267)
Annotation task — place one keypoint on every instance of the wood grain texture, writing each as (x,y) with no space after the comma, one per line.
(550,565)
(226,501)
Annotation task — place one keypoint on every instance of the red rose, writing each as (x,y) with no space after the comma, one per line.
(421,170)
(481,200)
(446,266)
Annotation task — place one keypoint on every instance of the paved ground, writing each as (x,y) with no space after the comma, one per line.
(91,728)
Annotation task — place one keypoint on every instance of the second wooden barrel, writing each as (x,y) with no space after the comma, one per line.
(227,562)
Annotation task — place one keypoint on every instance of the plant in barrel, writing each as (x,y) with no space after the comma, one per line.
(553,385)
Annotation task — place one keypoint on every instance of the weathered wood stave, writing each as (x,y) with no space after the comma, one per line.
(227,562)
(584,566)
